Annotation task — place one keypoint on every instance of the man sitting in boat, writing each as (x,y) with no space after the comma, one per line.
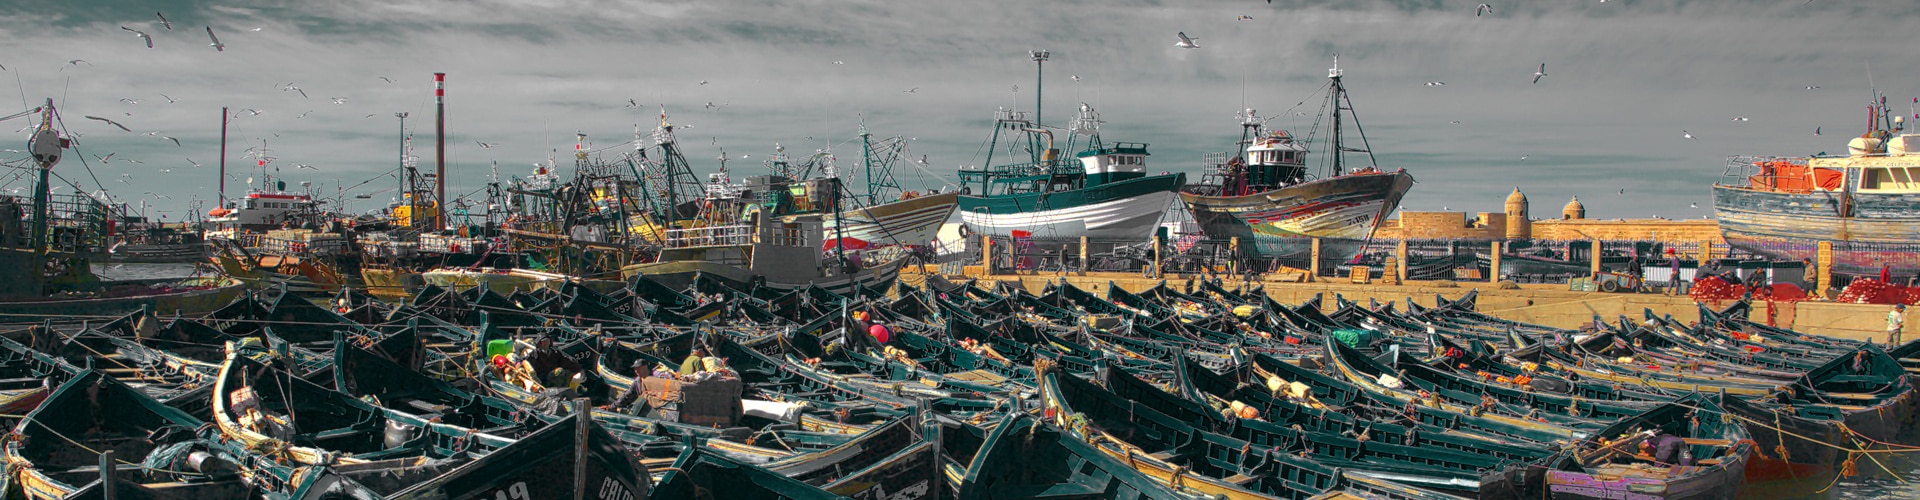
(631,400)
(694,362)
(1667,449)
(552,367)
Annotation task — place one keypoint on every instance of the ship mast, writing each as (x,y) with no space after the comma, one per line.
(45,146)
(1341,102)
(1339,94)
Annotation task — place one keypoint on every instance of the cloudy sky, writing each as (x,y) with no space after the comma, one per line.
(1625,79)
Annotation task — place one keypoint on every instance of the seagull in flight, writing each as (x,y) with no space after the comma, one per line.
(1686,134)
(217,46)
(484,145)
(289,87)
(912,90)
(1739,119)
(1816,131)
(1693,205)
(195,163)
(306,166)
(703,82)
(253,112)
(170,100)
(338,100)
(110,122)
(303,115)
(129,100)
(1537,74)
(164,22)
(711,105)
(1185,42)
(632,104)
(1436,84)
(1623,191)
(75,62)
(840,62)
(389,80)
(1075,77)
(142,34)
(1483,9)
(1244,17)
(1813,87)
(176,142)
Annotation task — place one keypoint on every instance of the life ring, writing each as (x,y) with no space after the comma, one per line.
(966,231)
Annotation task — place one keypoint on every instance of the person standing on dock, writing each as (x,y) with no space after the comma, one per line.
(1673,264)
(1896,321)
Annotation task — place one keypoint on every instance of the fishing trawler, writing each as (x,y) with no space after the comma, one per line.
(46,261)
(1863,203)
(1102,192)
(911,218)
(769,230)
(1265,195)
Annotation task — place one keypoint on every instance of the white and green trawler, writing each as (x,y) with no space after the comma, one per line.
(1101,192)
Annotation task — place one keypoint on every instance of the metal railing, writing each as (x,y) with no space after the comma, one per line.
(710,236)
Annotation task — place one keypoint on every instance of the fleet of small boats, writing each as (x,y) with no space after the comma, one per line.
(950,390)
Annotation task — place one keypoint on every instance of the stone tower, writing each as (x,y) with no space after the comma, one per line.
(1574,210)
(1518,227)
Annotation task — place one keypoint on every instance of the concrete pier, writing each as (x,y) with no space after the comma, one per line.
(1550,305)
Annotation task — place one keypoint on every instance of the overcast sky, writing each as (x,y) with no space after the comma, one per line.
(1625,78)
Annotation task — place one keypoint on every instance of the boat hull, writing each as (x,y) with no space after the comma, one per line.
(906,222)
(1341,211)
(507,281)
(1791,226)
(199,296)
(1122,211)
(680,274)
(158,252)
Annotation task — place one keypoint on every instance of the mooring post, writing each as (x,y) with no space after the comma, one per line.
(986,255)
(1313,263)
(1400,259)
(1823,263)
(1083,255)
(1595,251)
(107,481)
(1494,269)
(583,419)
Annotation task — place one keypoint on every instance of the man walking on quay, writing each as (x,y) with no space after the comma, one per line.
(1896,321)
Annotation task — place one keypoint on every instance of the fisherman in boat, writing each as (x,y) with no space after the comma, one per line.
(694,362)
(634,404)
(1667,449)
(552,367)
